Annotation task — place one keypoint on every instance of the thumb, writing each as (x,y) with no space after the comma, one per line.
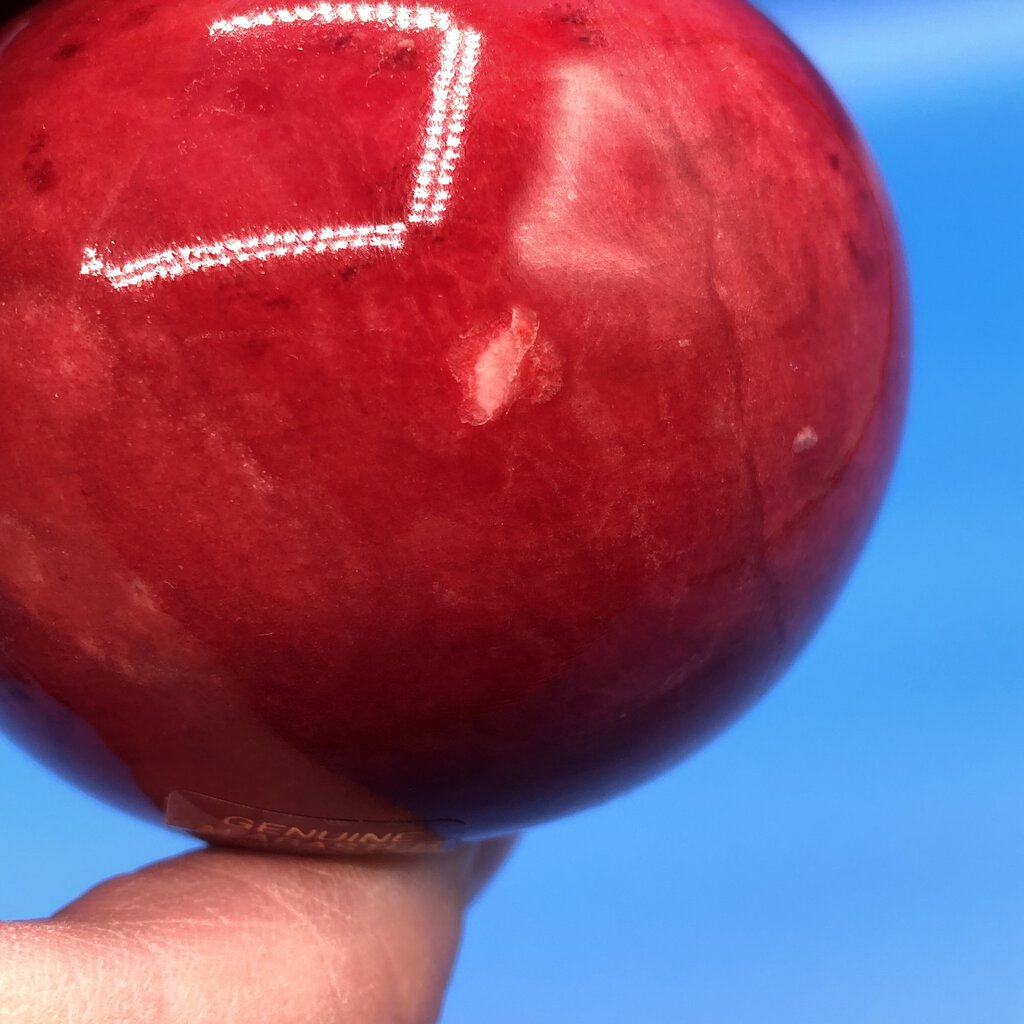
(236,937)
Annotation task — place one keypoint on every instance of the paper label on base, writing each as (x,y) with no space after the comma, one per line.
(223,821)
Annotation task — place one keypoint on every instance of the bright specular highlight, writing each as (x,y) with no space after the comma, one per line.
(442,141)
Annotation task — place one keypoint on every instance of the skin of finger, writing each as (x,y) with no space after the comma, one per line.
(233,937)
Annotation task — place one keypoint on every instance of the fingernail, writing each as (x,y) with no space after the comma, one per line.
(488,858)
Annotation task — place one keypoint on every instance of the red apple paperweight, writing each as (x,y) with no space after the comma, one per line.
(418,422)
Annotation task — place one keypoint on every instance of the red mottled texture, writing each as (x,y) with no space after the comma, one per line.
(484,529)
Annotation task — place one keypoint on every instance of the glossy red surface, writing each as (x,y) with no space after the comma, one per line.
(435,417)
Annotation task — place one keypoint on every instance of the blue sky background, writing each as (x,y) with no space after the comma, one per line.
(852,852)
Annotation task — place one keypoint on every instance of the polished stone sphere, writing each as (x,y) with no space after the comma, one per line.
(419,422)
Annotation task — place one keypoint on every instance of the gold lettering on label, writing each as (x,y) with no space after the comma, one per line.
(212,817)
(408,837)
(266,831)
(270,826)
(294,832)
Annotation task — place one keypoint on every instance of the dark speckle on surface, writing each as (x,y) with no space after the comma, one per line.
(403,54)
(42,177)
(38,168)
(68,50)
(865,263)
(140,15)
(578,19)
(258,346)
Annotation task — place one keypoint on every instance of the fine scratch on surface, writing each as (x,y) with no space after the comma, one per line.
(772,588)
